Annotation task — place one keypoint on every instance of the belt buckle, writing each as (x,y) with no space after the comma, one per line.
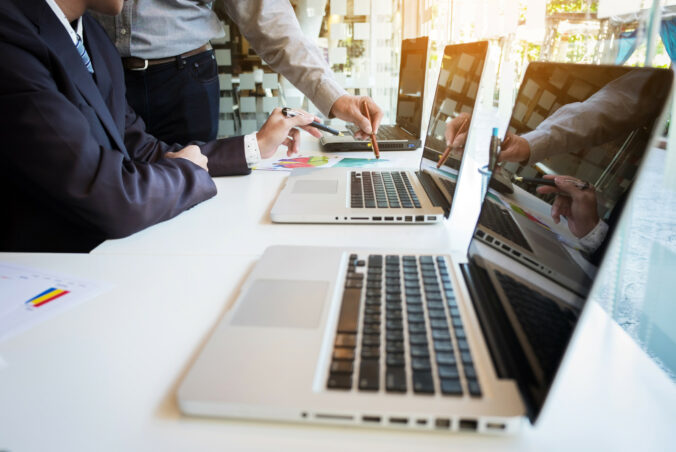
(145,66)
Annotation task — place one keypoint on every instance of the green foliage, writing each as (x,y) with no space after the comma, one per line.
(572,6)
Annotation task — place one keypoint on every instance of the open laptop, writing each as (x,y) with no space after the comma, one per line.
(404,135)
(552,100)
(395,338)
(356,195)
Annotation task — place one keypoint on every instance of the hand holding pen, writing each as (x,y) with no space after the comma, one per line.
(280,129)
(374,142)
(575,201)
(290,113)
(456,134)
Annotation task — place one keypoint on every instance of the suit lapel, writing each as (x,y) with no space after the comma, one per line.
(60,43)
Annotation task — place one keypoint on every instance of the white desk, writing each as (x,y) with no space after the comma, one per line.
(103,376)
(237,221)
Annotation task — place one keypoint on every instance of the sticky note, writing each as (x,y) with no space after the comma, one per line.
(247,104)
(223,57)
(270,103)
(338,55)
(362,30)
(270,81)
(362,7)
(339,7)
(225,81)
(226,127)
(226,104)
(246,81)
(249,126)
(338,31)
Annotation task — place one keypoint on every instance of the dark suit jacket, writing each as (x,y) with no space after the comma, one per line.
(77,166)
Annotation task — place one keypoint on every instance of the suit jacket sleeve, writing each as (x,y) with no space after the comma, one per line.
(51,153)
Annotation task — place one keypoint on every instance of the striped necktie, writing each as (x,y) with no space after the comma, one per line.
(84,55)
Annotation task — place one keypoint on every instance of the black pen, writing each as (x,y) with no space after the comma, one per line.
(550,182)
(290,113)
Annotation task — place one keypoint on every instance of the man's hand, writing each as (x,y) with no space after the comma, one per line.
(278,130)
(456,131)
(350,108)
(192,153)
(578,206)
(514,149)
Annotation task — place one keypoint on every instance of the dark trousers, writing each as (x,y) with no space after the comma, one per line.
(179,100)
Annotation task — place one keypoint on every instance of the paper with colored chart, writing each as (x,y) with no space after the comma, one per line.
(315,161)
(29,296)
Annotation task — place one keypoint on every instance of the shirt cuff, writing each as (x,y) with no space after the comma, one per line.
(252,153)
(593,240)
(538,144)
(327,94)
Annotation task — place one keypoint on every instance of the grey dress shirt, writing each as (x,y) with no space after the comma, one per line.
(159,29)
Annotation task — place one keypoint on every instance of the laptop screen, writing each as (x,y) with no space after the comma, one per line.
(454,101)
(411,84)
(583,130)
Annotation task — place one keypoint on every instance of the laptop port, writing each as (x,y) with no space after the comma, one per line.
(398,218)
(516,253)
(399,420)
(480,234)
(432,218)
(359,218)
(389,218)
(377,218)
(408,218)
(375,419)
(468,424)
(442,423)
(495,426)
(421,421)
(505,247)
(420,218)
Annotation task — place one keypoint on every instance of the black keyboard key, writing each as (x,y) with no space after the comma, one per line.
(341,367)
(395,360)
(395,335)
(451,387)
(371,340)
(463,345)
(474,388)
(423,382)
(339,381)
(417,339)
(448,372)
(443,346)
(421,364)
(466,357)
(445,358)
(395,346)
(440,334)
(343,353)
(417,328)
(369,375)
(346,340)
(470,371)
(349,311)
(370,352)
(419,351)
(395,379)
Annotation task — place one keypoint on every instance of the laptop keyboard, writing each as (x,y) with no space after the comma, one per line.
(399,329)
(499,220)
(448,185)
(385,132)
(547,325)
(382,189)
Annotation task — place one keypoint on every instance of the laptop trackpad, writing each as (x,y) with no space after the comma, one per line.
(316,186)
(285,304)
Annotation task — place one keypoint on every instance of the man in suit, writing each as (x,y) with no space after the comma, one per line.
(78,167)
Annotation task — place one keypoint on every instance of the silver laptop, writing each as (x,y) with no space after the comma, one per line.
(404,135)
(393,338)
(361,195)
(552,99)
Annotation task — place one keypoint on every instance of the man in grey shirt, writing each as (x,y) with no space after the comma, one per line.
(172,76)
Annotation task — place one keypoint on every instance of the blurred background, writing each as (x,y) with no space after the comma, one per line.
(361,42)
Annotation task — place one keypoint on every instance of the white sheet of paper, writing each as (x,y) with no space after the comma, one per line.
(362,30)
(223,57)
(246,81)
(338,55)
(339,7)
(362,7)
(270,81)
(18,285)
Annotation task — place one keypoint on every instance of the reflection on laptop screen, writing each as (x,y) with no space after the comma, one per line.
(411,84)
(454,99)
(588,127)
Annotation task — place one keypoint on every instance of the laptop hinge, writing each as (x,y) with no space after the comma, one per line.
(436,196)
(505,351)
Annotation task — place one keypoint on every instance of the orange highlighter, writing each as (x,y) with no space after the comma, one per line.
(374,143)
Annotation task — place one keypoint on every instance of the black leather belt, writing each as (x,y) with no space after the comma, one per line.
(141,64)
